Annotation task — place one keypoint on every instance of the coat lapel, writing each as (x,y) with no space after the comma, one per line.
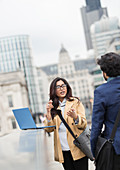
(59,120)
(68,106)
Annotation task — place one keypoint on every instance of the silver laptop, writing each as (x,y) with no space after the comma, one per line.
(25,119)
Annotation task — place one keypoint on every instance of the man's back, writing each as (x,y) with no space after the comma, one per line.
(105,110)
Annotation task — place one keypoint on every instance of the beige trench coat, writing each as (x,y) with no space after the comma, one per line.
(76,128)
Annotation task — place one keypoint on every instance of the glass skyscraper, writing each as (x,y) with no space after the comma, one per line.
(93,5)
(16,54)
(91,13)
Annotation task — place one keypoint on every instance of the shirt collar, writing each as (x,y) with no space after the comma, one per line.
(111,78)
(62,103)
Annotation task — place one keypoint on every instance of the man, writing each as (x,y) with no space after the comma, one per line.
(107,104)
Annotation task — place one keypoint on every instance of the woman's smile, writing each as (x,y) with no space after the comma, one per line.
(62,92)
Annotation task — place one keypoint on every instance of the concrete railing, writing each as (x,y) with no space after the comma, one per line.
(23,150)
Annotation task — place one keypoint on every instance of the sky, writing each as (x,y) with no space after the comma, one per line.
(49,23)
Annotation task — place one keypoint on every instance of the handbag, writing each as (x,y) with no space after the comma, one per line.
(104,149)
(83,141)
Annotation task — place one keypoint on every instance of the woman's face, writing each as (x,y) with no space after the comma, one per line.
(61,90)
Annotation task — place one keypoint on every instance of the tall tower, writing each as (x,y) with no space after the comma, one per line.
(93,5)
(16,54)
(91,13)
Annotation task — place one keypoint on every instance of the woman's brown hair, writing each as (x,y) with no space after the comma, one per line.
(53,95)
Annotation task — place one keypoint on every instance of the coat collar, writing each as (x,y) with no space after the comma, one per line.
(68,106)
(112,78)
(63,103)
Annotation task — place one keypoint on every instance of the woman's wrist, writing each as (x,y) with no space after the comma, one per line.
(76,120)
(76,117)
(48,116)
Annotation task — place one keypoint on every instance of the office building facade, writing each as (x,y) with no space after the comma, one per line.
(91,13)
(114,45)
(13,94)
(16,54)
(76,72)
(104,33)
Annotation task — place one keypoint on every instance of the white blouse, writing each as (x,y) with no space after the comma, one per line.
(62,129)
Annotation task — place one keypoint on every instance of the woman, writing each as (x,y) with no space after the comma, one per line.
(71,157)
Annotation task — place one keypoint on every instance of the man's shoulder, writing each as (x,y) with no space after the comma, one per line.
(102,87)
(109,85)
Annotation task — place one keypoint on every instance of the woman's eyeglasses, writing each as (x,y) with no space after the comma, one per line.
(62,86)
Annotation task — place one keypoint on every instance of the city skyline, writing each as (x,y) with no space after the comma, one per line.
(49,24)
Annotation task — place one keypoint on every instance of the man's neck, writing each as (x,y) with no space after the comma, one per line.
(111,78)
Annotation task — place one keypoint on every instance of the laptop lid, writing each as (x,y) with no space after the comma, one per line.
(24,118)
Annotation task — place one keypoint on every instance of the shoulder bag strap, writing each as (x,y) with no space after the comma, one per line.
(115,126)
(66,125)
(70,130)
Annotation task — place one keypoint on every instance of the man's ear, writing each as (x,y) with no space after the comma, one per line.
(105,76)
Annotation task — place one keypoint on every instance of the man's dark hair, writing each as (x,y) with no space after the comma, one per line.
(110,64)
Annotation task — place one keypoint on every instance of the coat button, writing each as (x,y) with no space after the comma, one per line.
(72,123)
(76,135)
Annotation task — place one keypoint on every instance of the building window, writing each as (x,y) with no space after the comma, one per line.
(39,73)
(117,47)
(61,73)
(97,79)
(96,72)
(0,124)
(42,96)
(75,93)
(10,101)
(66,67)
(13,123)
